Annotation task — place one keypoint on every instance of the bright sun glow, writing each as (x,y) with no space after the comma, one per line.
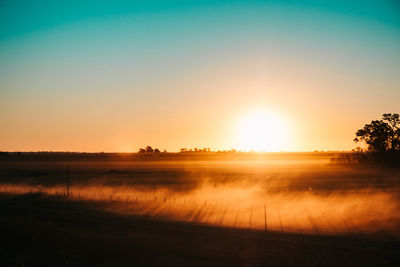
(262,131)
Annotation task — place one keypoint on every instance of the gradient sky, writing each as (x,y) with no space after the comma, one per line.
(118,75)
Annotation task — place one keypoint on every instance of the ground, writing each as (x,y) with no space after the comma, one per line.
(48,229)
(39,230)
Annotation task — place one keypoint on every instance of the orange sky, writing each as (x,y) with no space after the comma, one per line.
(110,79)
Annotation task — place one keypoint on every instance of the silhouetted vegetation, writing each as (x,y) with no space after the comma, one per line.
(381,135)
(382,138)
(195,150)
(150,150)
(205,150)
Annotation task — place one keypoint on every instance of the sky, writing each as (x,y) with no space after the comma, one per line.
(120,75)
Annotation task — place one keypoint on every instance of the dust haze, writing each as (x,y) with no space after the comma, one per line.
(287,192)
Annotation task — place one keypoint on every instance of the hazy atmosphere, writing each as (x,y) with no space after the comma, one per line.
(116,76)
(200,133)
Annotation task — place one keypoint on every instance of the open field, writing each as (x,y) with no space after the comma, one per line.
(223,209)
(42,231)
(214,97)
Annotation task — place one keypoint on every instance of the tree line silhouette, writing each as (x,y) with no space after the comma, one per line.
(149,149)
(194,150)
(382,140)
(381,135)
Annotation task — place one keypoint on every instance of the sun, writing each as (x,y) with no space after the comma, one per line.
(260,131)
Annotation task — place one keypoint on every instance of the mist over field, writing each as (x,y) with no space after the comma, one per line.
(199,133)
(285,192)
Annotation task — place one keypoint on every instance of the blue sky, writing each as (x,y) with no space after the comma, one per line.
(113,75)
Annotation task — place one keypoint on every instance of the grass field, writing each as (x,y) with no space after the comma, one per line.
(293,209)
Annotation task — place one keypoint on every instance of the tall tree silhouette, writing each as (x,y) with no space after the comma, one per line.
(381,135)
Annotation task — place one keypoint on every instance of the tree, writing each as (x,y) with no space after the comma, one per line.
(381,135)
(149,149)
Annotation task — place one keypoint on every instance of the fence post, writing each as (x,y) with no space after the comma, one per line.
(251,214)
(67,181)
(265,217)
(236,218)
